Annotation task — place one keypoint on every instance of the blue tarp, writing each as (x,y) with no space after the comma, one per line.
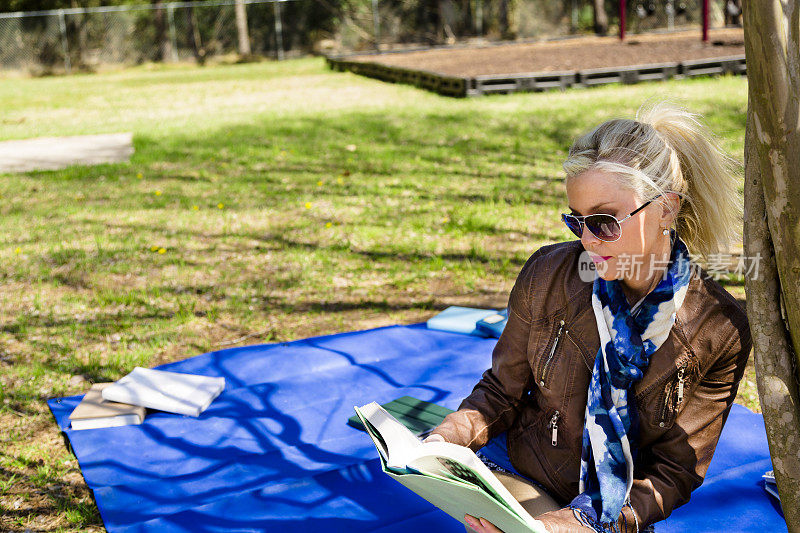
(274,452)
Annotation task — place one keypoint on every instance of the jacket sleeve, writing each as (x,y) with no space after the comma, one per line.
(677,463)
(493,403)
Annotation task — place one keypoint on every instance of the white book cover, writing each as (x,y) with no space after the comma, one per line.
(186,394)
(107,422)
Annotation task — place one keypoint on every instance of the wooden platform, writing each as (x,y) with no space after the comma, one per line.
(456,86)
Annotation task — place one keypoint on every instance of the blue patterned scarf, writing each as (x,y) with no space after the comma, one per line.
(627,340)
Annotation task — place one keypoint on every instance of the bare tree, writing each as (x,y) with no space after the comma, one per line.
(193,36)
(509,19)
(600,17)
(772,229)
(241,28)
(165,52)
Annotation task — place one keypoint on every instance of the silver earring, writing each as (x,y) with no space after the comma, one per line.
(665,232)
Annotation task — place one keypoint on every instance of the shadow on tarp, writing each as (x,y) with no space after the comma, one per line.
(355,498)
(274,452)
(281,420)
(732,497)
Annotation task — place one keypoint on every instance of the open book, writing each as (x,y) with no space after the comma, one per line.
(448,475)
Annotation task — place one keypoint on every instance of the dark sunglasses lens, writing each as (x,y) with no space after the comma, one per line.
(604,227)
(573,224)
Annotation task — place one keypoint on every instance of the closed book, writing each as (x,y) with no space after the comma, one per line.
(459,319)
(96,412)
(419,416)
(770,485)
(186,394)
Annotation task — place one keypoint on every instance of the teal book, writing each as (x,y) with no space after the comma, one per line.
(493,325)
(419,416)
(460,320)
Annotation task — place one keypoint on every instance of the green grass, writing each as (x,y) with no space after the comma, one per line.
(265,202)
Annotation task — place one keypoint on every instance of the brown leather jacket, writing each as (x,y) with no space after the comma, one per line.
(536,389)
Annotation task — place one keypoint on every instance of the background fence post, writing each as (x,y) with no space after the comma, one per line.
(173,39)
(62,25)
(376,24)
(574,17)
(670,14)
(705,21)
(278,30)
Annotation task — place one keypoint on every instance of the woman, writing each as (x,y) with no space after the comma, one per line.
(608,390)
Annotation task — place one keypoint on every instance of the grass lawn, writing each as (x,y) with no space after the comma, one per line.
(265,202)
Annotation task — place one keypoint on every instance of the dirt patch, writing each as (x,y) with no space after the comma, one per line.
(568,55)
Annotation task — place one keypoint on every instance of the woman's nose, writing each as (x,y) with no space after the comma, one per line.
(587,237)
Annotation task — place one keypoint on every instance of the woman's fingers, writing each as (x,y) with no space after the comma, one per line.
(489,527)
(481,525)
(473,523)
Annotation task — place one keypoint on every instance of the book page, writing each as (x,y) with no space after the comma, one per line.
(399,441)
(451,461)
(377,440)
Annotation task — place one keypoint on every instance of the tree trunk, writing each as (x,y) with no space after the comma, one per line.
(193,36)
(162,35)
(509,19)
(600,17)
(447,18)
(733,13)
(772,229)
(241,29)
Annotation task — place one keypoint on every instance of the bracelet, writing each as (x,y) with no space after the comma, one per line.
(612,527)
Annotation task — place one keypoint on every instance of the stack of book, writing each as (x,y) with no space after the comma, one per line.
(123,402)
(95,412)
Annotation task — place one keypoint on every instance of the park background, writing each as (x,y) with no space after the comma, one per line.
(55,36)
(266,201)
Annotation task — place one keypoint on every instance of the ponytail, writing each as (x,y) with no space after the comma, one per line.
(668,149)
(710,218)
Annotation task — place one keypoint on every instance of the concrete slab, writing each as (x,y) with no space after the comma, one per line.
(53,153)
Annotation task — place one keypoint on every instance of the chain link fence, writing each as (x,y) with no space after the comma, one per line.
(45,42)
(400,21)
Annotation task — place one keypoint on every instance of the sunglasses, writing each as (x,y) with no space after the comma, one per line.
(605,227)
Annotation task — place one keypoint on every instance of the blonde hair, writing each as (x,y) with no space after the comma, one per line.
(668,149)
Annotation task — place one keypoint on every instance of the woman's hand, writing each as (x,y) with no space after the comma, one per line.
(481,525)
(562,521)
(434,437)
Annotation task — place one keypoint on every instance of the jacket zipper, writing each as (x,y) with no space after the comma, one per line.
(671,390)
(553,425)
(681,373)
(552,352)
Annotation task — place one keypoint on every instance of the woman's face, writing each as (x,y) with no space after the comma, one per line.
(636,254)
